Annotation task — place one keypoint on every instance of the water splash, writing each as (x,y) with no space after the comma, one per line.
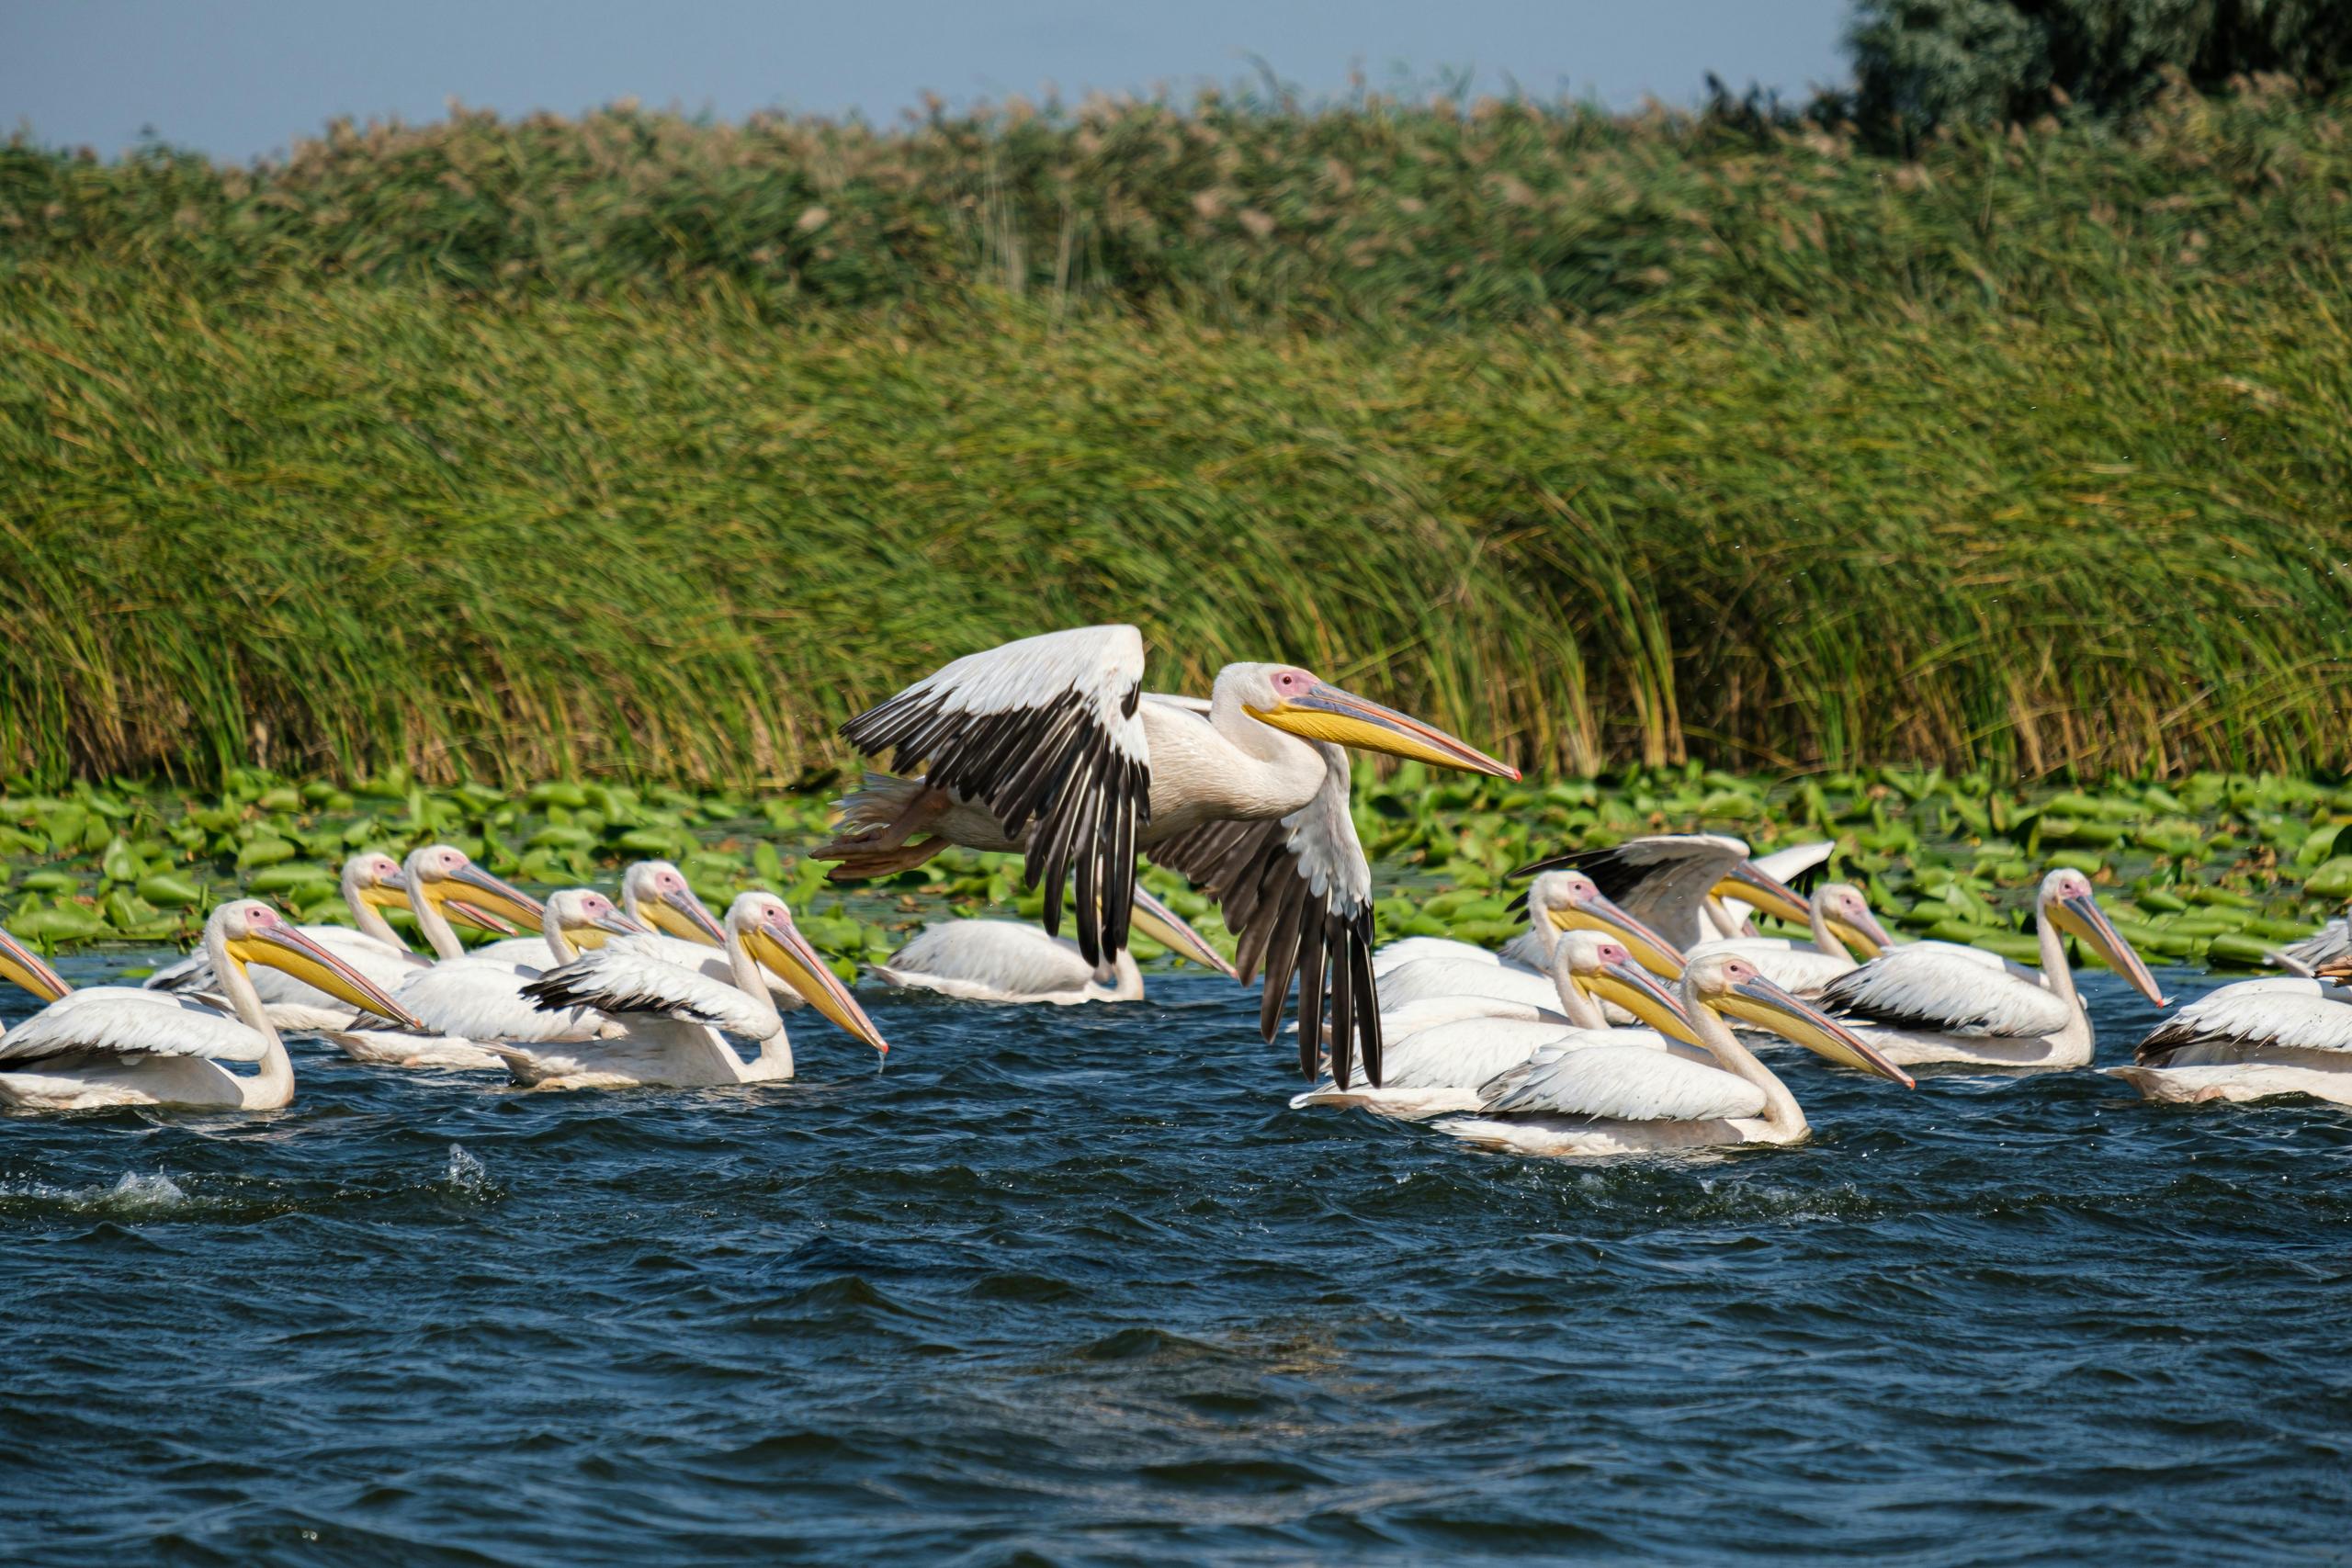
(465,1173)
(133,1192)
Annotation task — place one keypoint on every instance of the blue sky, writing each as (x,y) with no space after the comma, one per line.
(239,78)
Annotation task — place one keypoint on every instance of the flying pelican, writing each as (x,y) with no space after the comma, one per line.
(1840,916)
(119,1045)
(1618,1099)
(1666,880)
(667,1024)
(371,883)
(1558,901)
(1005,960)
(1939,1001)
(465,1003)
(1436,1064)
(2251,1041)
(1049,748)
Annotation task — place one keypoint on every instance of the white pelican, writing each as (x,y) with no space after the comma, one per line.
(1005,960)
(1558,901)
(371,883)
(1939,1001)
(668,1022)
(119,1045)
(1049,747)
(684,932)
(2251,1041)
(1530,951)
(1667,880)
(464,1003)
(1841,919)
(443,880)
(1617,1099)
(1437,1065)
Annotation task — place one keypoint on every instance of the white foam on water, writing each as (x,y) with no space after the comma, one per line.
(465,1173)
(133,1192)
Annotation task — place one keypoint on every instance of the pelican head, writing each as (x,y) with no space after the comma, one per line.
(586,918)
(1848,914)
(1572,901)
(2066,902)
(445,876)
(1730,986)
(655,892)
(771,938)
(375,878)
(247,931)
(1167,928)
(1299,702)
(1604,969)
(21,965)
(1749,883)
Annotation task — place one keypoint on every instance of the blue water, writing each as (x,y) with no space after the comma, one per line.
(1074,1286)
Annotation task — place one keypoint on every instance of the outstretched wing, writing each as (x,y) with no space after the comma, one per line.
(1297,892)
(1662,880)
(1044,729)
(615,980)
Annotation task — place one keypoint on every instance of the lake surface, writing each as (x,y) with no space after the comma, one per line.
(1076,1286)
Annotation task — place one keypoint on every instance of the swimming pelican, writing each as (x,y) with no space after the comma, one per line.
(371,883)
(1049,748)
(1530,951)
(119,1045)
(1437,1064)
(1618,1099)
(1558,901)
(2251,1041)
(1666,880)
(467,1003)
(1005,960)
(1840,916)
(668,1023)
(1939,1001)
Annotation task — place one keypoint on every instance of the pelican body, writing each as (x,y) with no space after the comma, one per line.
(1609,1100)
(2256,1040)
(684,932)
(668,1023)
(1439,1066)
(1936,1003)
(1004,961)
(1049,748)
(114,1046)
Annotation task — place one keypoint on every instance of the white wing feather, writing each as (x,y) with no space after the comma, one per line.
(1622,1083)
(2262,1012)
(472,998)
(123,1021)
(1454,978)
(619,982)
(1003,955)
(1945,990)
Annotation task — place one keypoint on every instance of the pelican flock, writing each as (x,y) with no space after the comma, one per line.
(1612,1026)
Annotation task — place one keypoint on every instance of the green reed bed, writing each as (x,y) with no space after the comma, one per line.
(338,529)
(2213,869)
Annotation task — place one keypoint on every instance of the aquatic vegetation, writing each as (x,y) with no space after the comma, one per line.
(2212,869)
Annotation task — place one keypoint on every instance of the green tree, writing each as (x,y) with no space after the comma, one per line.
(1923,63)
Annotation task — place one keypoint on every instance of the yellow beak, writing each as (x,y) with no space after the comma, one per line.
(1631,987)
(1326,713)
(682,915)
(21,965)
(1766,892)
(1167,928)
(784,950)
(2083,917)
(1761,1002)
(1653,951)
(284,948)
